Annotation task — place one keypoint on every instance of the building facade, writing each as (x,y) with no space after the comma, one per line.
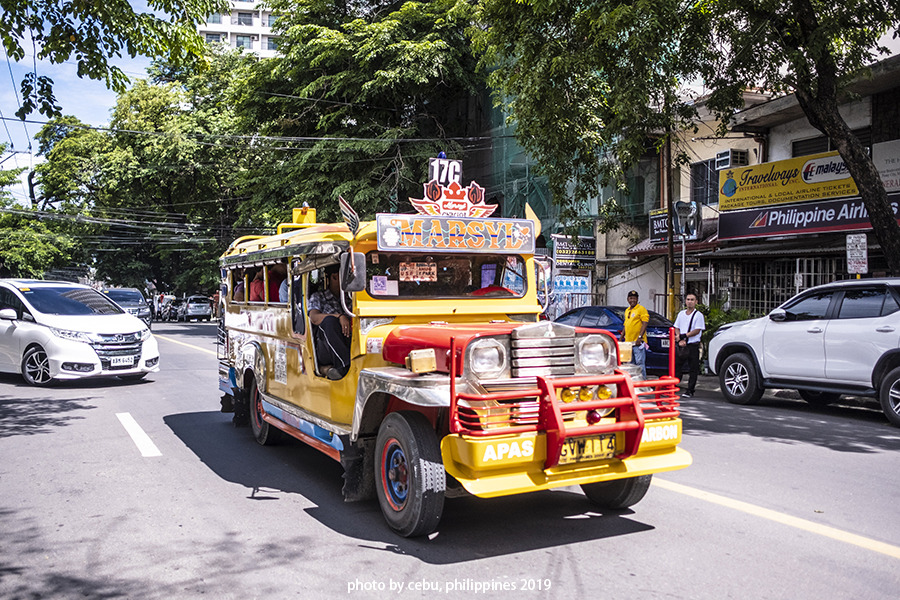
(245,27)
(778,203)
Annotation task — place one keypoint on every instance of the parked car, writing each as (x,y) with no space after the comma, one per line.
(195,307)
(133,301)
(612,318)
(833,339)
(54,330)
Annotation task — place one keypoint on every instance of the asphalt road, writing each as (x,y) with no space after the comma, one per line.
(784,500)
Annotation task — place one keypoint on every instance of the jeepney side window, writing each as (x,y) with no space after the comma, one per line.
(298,317)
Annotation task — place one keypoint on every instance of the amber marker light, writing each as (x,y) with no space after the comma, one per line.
(568,395)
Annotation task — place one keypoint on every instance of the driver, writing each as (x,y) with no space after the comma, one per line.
(333,334)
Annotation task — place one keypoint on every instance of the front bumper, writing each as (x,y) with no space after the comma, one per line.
(498,466)
(77,360)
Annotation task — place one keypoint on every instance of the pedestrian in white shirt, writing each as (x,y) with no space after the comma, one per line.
(690,325)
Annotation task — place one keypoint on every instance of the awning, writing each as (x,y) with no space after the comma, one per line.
(807,246)
(648,248)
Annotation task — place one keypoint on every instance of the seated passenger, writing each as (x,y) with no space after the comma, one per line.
(258,287)
(277,275)
(333,335)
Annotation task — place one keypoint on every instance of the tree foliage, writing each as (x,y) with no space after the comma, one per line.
(591,85)
(94,34)
(364,92)
(156,195)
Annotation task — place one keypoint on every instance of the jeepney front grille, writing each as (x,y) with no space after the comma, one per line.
(110,345)
(543,356)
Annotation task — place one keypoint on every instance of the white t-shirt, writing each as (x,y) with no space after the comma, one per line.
(683,324)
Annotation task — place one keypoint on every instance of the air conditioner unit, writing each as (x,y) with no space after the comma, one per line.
(254,38)
(731,158)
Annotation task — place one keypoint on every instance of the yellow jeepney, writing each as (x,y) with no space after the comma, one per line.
(454,383)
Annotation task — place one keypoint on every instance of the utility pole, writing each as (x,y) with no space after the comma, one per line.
(670,193)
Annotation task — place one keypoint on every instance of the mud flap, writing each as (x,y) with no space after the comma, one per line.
(359,469)
(240,407)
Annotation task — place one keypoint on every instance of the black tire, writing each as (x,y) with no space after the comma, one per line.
(739,381)
(36,367)
(409,474)
(819,398)
(265,434)
(890,396)
(621,493)
(133,376)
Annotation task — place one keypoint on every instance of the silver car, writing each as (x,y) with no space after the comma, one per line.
(55,330)
(195,307)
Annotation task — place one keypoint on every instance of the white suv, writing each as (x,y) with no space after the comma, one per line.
(838,338)
(52,330)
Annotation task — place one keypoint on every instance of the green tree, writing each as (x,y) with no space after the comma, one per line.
(591,86)
(155,196)
(95,33)
(362,95)
(28,246)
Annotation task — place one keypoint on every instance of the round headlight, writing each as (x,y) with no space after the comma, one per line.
(596,354)
(487,359)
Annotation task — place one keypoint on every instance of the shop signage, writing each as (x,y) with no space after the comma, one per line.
(659,228)
(815,177)
(420,233)
(845,214)
(785,181)
(574,254)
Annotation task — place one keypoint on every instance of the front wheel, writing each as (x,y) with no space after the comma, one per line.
(36,367)
(409,474)
(819,398)
(890,396)
(738,380)
(621,493)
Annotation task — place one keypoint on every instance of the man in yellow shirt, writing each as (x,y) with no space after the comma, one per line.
(635,329)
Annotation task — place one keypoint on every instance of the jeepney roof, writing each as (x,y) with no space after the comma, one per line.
(325,238)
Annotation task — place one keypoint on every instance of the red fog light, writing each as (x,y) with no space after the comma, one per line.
(593,417)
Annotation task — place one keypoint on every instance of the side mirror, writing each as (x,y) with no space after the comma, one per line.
(778,315)
(353,280)
(8,314)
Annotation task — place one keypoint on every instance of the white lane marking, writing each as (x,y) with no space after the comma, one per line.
(141,439)
(784,519)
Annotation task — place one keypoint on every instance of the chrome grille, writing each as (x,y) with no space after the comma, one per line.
(543,356)
(117,344)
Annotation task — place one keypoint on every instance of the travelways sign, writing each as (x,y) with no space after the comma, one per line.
(843,214)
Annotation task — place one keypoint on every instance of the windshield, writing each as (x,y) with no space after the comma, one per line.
(417,276)
(125,295)
(69,301)
(198,300)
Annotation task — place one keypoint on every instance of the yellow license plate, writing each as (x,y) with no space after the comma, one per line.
(588,448)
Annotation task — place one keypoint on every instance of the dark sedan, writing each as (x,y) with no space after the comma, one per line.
(611,319)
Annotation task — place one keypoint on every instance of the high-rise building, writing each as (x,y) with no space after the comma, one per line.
(245,27)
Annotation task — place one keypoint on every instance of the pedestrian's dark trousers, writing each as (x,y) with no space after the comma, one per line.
(332,347)
(693,366)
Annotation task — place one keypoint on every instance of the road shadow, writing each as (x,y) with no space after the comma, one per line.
(471,528)
(195,329)
(26,572)
(855,425)
(41,411)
